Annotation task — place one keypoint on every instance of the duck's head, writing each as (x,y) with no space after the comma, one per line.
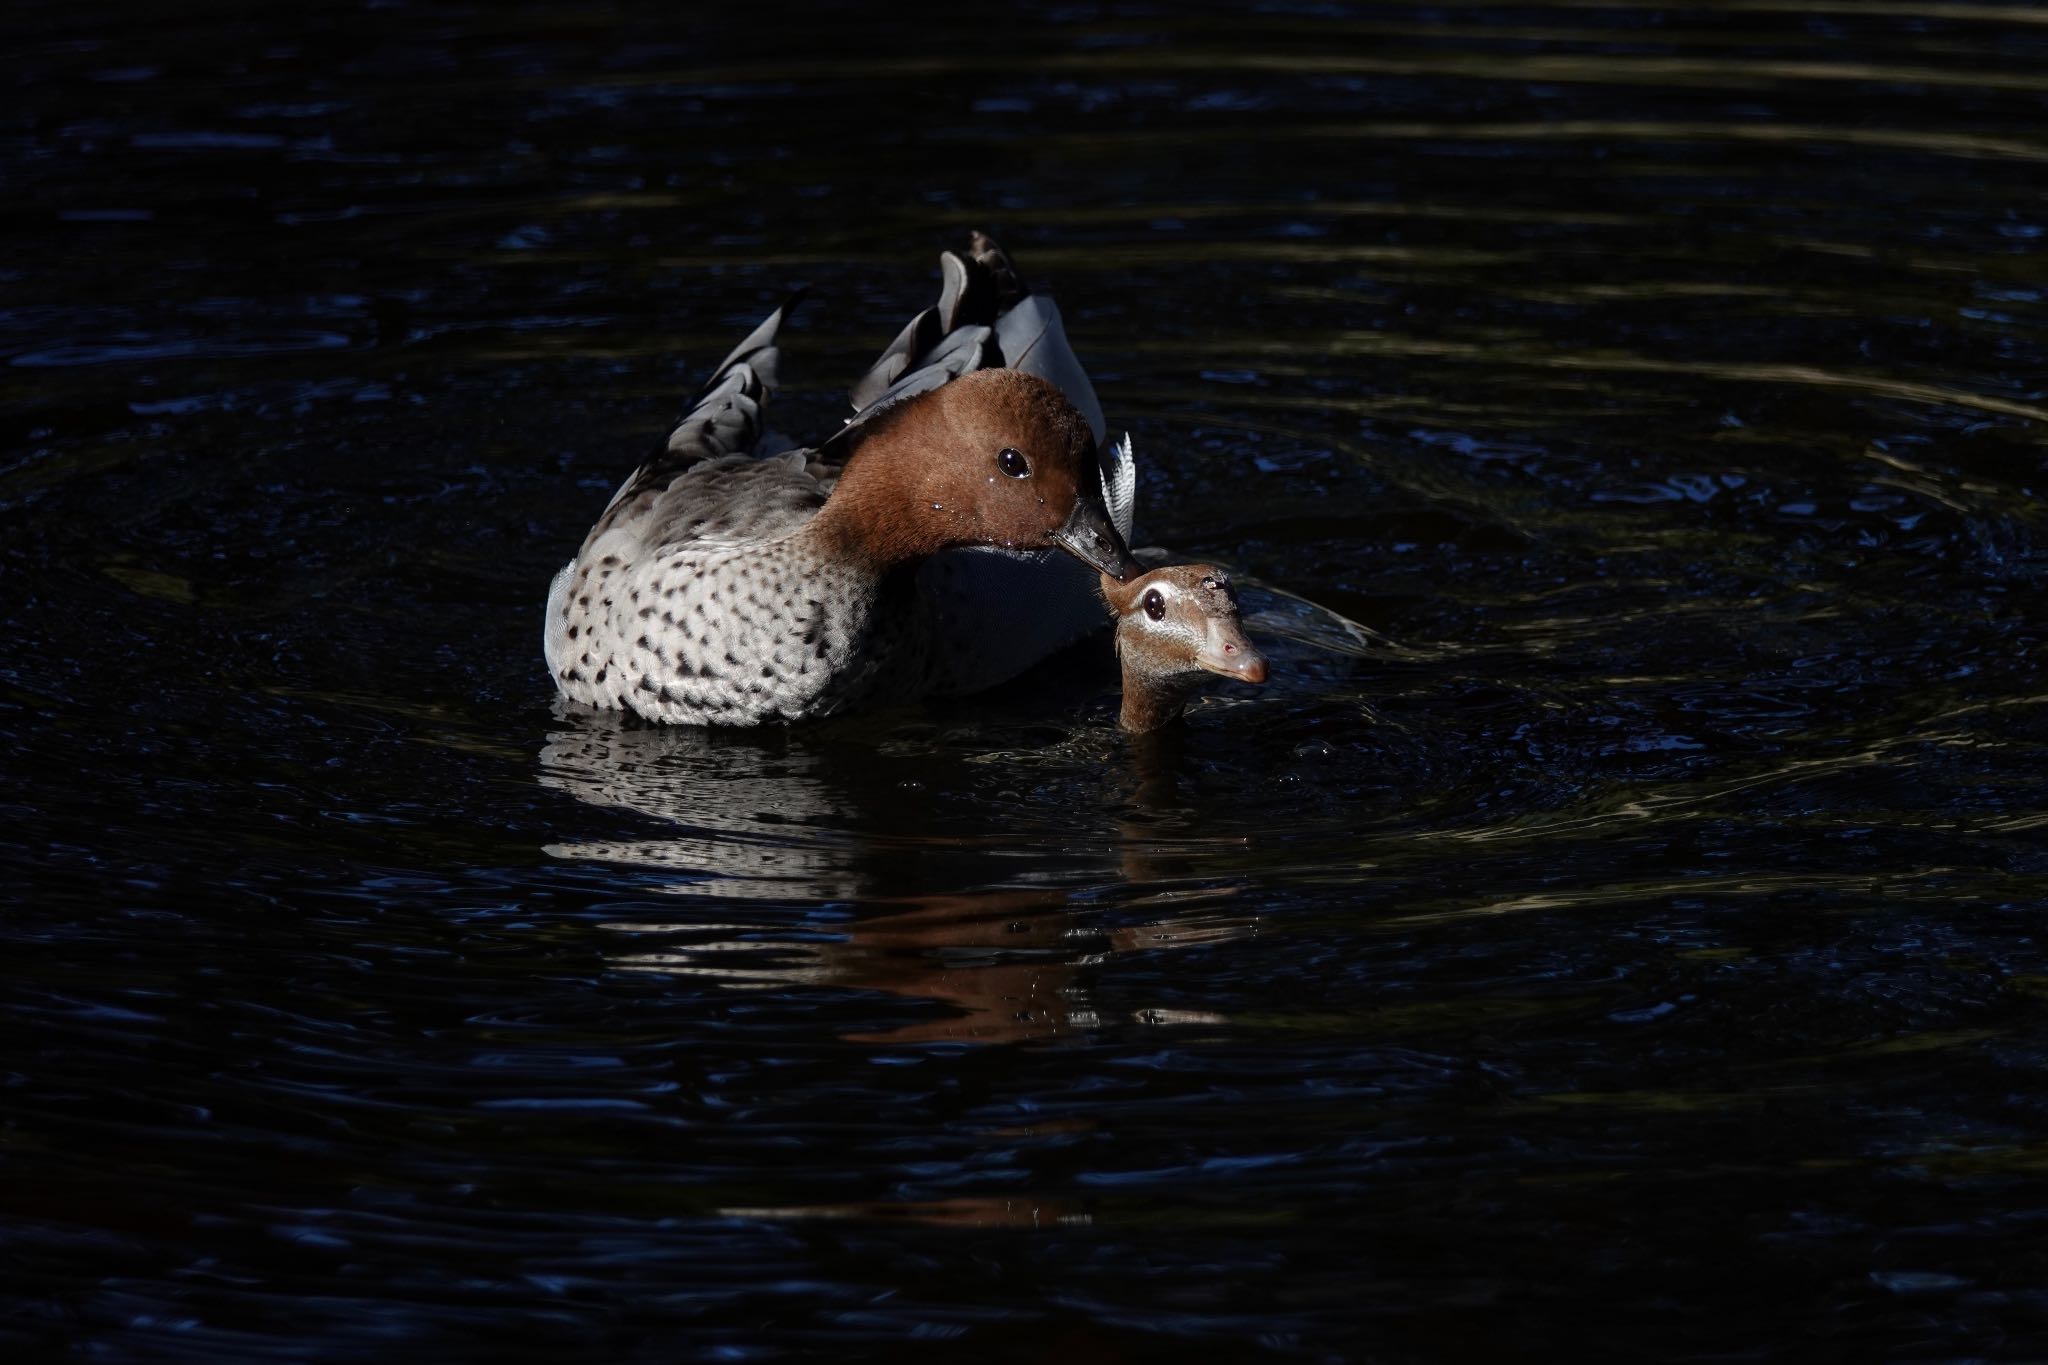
(1172,626)
(996,457)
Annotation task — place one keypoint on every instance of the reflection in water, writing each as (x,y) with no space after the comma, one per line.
(751,823)
(765,824)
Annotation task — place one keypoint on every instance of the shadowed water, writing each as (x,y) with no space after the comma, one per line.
(1614,931)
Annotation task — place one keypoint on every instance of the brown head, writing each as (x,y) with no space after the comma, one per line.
(1173,625)
(996,457)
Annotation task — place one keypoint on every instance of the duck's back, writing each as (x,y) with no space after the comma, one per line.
(726,503)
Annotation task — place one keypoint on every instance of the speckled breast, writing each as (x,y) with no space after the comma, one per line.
(733,637)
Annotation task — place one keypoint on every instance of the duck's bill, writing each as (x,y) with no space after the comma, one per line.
(1089,537)
(1225,650)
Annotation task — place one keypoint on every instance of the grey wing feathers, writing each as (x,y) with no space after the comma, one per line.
(917,337)
(725,421)
(985,317)
(957,353)
(759,348)
(973,291)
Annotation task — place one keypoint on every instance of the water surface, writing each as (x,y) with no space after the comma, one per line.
(1615,931)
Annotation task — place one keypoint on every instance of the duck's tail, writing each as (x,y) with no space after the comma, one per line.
(985,317)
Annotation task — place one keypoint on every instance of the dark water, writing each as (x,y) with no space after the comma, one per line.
(1616,932)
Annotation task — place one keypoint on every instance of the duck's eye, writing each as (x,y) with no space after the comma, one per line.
(1155,605)
(1013,462)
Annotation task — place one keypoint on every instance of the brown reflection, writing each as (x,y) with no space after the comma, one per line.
(930,952)
(1007,963)
(941,949)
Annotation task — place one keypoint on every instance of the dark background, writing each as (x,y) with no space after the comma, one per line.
(1614,932)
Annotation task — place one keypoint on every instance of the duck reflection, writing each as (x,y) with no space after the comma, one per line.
(763,835)
(751,815)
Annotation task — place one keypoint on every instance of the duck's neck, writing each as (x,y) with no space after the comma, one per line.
(1152,701)
(882,514)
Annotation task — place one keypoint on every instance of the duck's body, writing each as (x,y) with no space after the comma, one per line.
(1174,626)
(719,588)
(777,629)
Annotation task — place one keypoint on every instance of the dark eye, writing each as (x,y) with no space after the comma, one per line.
(1013,462)
(1155,605)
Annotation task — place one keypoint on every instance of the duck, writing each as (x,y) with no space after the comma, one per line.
(1174,626)
(721,586)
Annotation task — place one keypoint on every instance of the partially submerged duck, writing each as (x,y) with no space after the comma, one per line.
(720,588)
(1174,626)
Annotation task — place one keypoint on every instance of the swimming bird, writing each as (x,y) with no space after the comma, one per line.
(1173,625)
(720,588)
